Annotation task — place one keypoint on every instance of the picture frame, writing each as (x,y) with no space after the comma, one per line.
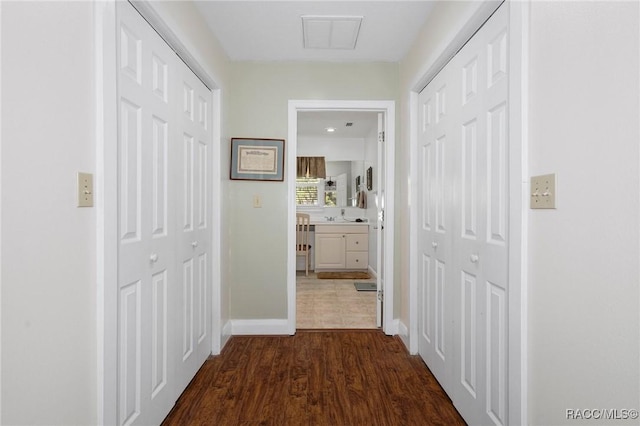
(357,183)
(370,178)
(257,159)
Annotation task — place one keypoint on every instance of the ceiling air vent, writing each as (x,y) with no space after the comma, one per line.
(330,32)
(348,124)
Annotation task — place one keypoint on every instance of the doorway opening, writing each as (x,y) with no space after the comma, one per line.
(334,217)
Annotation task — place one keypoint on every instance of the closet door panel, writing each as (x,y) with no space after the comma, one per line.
(481,244)
(194,231)
(463,218)
(434,240)
(146,259)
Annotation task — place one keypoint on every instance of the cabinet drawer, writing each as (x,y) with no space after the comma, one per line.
(357,242)
(341,229)
(357,260)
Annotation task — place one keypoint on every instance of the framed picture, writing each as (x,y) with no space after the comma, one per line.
(370,178)
(358,183)
(257,159)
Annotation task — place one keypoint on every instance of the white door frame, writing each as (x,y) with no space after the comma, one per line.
(518,187)
(106,194)
(388,108)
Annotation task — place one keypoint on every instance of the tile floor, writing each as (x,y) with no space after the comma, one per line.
(333,304)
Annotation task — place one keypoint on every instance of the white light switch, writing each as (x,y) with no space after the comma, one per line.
(543,192)
(257,201)
(85,190)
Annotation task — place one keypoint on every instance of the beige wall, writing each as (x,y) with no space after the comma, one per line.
(258,108)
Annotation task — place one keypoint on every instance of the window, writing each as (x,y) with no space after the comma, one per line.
(330,193)
(307,191)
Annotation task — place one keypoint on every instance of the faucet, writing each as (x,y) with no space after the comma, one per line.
(342,213)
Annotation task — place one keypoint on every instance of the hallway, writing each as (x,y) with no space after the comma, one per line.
(314,378)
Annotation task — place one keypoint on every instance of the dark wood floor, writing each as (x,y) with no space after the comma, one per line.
(359,377)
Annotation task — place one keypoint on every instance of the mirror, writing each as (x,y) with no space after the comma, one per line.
(348,140)
(342,176)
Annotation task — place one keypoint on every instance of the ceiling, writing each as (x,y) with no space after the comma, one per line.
(272,30)
(268,30)
(313,124)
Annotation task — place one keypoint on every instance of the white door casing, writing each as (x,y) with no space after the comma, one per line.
(463,220)
(390,325)
(164,311)
(379,226)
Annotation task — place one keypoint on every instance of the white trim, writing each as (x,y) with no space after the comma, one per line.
(373,273)
(413,224)
(107,200)
(518,230)
(457,38)
(216,224)
(392,327)
(1,221)
(292,118)
(518,131)
(387,107)
(247,327)
(403,332)
(147,10)
(227,330)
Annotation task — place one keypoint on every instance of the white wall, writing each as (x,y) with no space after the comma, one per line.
(48,260)
(583,263)
(48,245)
(583,257)
(333,149)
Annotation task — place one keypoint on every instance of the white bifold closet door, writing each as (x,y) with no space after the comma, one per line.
(463,211)
(164,163)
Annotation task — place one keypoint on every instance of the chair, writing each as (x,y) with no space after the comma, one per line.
(302,239)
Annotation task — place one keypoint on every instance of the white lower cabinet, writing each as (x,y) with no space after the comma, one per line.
(341,247)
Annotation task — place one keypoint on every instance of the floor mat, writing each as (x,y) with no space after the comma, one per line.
(344,275)
(366,286)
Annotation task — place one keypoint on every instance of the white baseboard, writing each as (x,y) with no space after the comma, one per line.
(262,326)
(403,332)
(372,272)
(392,327)
(226,334)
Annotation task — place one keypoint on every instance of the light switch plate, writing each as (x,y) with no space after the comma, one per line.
(543,191)
(85,190)
(257,202)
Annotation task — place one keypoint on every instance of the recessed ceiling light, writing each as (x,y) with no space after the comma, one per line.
(330,129)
